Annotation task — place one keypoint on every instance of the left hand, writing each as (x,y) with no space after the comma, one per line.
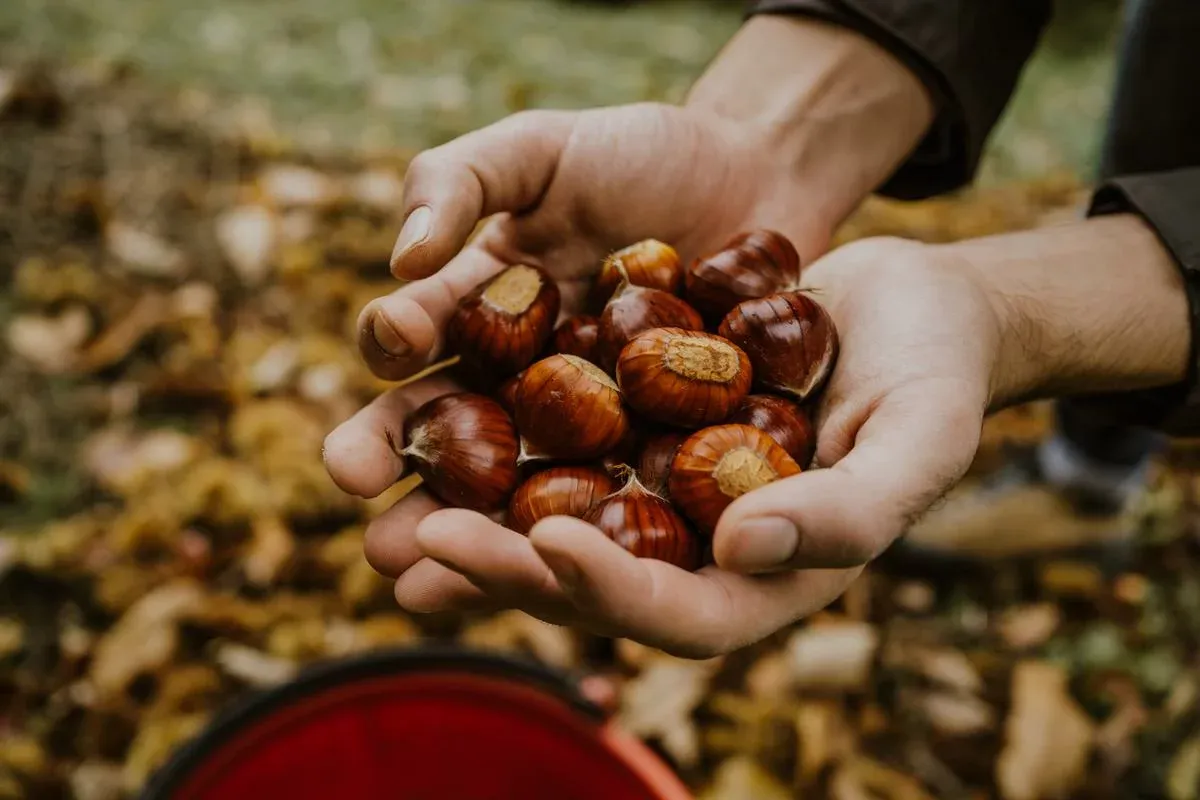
(898,425)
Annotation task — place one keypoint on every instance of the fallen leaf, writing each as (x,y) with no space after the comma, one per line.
(97,780)
(1026,627)
(124,460)
(770,677)
(516,631)
(742,778)
(833,656)
(270,550)
(113,344)
(941,665)
(915,597)
(144,638)
(952,714)
(254,667)
(1072,579)
(823,737)
(1131,588)
(143,252)
(154,744)
(12,636)
(50,344)
(862,777)
(288,185)
(380,189)
(659,702)
(247,235)
(1048,738)
(1183,775)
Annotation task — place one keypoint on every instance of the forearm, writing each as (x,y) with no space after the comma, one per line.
(836,110)
(1089,307)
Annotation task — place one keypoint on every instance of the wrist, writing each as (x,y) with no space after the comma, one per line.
(1087,307)
(833,110)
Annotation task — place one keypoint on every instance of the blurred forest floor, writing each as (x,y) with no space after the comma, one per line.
(195,202)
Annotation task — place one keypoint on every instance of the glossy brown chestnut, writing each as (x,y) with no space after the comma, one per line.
(648,263)
(568,408)
(790,339)
(569,491)
(753,264)
(634,309)
(506,395)
(717,465)
(654,462)
(683,378)
(784,421)
(503,324)
(578,336)
(465,448)
(646,525)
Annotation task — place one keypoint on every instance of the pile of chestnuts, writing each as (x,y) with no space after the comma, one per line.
(686,388)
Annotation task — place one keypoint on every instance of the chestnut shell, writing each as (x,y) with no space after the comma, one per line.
(790,339)
(781,419)
(569,408)
(504,323)
(717,465)
(646,525)
(578,336)
(752,264)
(464,447)
(635,309)
(562,490)
(685,379)
(648,263)
(654,462)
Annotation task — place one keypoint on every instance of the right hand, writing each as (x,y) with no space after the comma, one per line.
(564,189)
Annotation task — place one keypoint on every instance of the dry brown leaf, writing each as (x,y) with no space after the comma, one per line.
(953,714)
(380,189)
(1029,626)
(742,778)
(516,631)
(288,185)
(359,584)
(269,552)
(823,736)
(1183,776)
(125,461)
(275,368)
(247,235)
(1072,579)
(113,344)
(50,344)
(834,656)
(1183,697)
(144,638)
(866,778)
(1131,588)
(1048,737)
(23,754)
(12,636)
(143,252)
(254,667)
(659,702)
(385,630)
(915,597)
(942,665)
(184,689)
(154,744)
(97,780)
(770,677)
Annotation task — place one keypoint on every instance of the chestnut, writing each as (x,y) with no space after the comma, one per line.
(790,339)
(634,309)
(465,448)
(687,379)
(569,408)
(654,462)
(645,524)
(784,421)
(648,263)
(578,336)
(506,394)
(717,465)
(753,264)
(565,490)
(504,323)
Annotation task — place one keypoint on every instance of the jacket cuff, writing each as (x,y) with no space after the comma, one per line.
(968,54)
(1169,202)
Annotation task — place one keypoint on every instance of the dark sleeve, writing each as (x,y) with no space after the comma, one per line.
(969,53)
(1170,203)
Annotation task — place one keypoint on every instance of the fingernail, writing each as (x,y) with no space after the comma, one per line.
(415,231)
(388,338)
(765,543)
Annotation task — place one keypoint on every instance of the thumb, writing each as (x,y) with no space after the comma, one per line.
(913,447)
(505,167)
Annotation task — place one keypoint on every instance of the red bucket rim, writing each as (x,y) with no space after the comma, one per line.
(244,713)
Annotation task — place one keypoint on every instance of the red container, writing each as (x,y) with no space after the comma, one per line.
(425,724)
